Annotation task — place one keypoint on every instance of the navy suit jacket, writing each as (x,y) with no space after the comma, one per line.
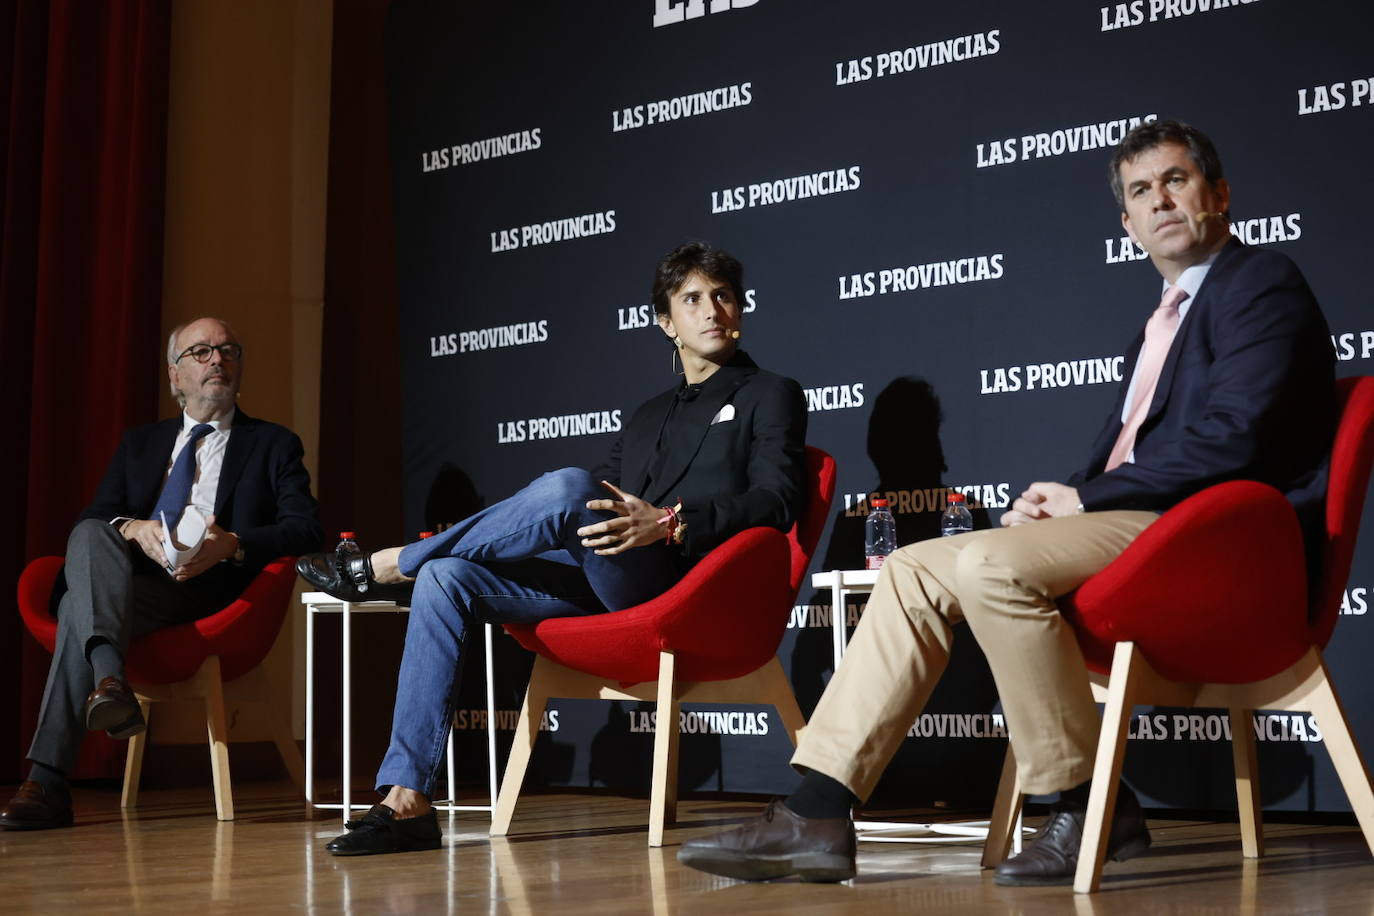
(1247,392)
(740,472)
(263,495)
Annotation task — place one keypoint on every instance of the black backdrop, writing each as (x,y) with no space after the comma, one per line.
(918,192)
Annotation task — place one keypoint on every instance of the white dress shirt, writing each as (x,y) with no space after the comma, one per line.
(209,459)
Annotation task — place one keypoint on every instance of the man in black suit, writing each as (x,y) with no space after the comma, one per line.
(720,452)
(1233,378)
(244,476)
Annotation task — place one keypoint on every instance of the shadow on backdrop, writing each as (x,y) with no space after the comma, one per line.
(904,446)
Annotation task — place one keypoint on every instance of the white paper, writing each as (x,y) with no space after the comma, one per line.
(183,544)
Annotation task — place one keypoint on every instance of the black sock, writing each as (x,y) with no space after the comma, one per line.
(105,661)
(820,796)
(1077,797)
(48,777)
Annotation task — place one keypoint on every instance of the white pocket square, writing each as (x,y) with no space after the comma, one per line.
(726,413)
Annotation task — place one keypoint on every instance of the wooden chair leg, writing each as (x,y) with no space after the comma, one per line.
(663,794)
(1127,664)
(1005,808)
(1340,744)
(133,761)
(778,692)
(1244,754)
(212,688)
(531,712)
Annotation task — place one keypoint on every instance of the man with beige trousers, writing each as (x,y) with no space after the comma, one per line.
(1233,378)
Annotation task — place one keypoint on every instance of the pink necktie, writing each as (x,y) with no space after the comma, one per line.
(1159,334)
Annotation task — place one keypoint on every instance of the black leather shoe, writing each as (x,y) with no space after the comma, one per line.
(380,830)
(776,844)
(354,582)
(1052,857)
(113,707)
(37,807)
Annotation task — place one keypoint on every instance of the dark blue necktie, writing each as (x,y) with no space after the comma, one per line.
(176,492)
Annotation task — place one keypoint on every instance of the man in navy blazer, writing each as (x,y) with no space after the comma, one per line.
(1245,393)
(243,475)
(1232,378)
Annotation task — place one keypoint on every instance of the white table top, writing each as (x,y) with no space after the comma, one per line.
(847,577)
(325,603)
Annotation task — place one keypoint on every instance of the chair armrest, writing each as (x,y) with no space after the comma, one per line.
(35,595)
(1214,591)
(724,618)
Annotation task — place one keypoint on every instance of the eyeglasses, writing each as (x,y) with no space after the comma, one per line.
(230,352)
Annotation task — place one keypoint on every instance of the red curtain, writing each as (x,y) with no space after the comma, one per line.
(360,326)
(83,107)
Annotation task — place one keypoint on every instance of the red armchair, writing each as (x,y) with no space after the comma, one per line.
(712,638)
(192,661)
(1209,608)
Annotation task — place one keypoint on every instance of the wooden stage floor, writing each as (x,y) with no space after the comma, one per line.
(574,854)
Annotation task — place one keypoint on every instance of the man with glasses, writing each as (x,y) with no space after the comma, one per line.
(242,476)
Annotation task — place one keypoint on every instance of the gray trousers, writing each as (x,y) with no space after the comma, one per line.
(116,593)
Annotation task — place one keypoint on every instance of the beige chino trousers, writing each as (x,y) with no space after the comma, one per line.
(1003,583)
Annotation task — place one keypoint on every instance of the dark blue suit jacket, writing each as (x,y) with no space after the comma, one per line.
(263,496)
(1247,392)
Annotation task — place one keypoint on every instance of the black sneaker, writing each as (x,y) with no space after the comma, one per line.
(380,830)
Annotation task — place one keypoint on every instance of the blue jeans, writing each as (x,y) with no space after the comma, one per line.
(519,561)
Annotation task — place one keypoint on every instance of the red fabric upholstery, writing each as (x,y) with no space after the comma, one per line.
(1351,456)
(723,620)
(1216,590)
(1199,613)
(35,589)
(806,533)
(240,635)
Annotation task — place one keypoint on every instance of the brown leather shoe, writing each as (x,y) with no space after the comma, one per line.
(37,807)
(776,844)
(1052,857)
(113,707)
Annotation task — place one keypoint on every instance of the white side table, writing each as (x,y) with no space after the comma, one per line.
(317,603)
(843,583)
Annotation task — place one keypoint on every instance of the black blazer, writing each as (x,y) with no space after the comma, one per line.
(263,496)
(1247,392)
(737,473)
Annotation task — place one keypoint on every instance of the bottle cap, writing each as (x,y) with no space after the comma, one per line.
(879,503)
(346,534)
(955,498)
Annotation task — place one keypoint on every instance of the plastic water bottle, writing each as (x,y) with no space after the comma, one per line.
(347,547)
(956,519)
(880,534)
